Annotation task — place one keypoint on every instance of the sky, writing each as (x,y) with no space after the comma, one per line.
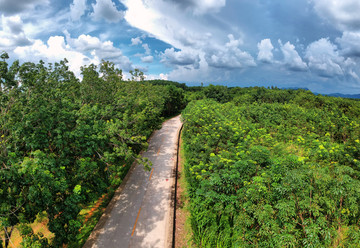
(312,44)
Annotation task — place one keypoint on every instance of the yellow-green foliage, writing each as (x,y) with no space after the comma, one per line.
(276,168)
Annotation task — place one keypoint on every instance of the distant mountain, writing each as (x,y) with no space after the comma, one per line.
(355,96)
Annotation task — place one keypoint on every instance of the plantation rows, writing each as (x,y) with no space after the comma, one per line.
(273,168)
(64,141)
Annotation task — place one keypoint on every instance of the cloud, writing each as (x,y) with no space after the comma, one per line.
(79,51)
(83,42)
(43,21)
(11,7)
(12,34)
(106,9)
(200,6)
(77,9)
(204,6)
(190,74)
(147,59)
(265,51)
(324,59)
(292,59)
(136,41)
(187,38)
(180,58)
(344,14)
(53,51)
(99,50)
(147,49)
(350,43)
(167,22)
(229,56)
(161,76)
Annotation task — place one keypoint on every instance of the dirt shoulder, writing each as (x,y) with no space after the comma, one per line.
(182,225)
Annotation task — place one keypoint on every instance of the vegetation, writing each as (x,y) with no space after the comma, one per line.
(264,167)
(64,142)
(272,168)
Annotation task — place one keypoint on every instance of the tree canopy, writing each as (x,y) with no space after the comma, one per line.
(65,141)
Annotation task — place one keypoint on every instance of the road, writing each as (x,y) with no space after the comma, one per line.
(140,214)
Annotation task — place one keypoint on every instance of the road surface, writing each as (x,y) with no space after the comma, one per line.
(140,214)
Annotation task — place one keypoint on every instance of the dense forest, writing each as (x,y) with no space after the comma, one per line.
(272,168)
(265,167)
(65,141)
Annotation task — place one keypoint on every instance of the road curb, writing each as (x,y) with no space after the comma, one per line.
(171,244)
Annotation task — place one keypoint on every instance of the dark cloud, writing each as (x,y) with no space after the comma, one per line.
(10,7)
(15,27)
(191,37)
(106,9)
(342,14)
(199,6)
(350,44)
(12,33)
(185,4)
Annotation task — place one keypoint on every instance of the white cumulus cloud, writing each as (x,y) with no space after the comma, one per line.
(229,56)
(136,41)
(324,59)
(180,58)
(265,48)
(53,51)
(100,50)
(292,59)
(79,51)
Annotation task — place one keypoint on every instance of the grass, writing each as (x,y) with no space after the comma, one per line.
(183,234)
(39,226)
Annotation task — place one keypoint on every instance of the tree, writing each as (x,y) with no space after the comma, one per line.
(217,92)
(109,73)
(137,75)
(64,142)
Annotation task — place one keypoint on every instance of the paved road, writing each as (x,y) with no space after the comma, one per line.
(140,214)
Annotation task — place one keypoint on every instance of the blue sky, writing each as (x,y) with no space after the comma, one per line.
(298,43)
